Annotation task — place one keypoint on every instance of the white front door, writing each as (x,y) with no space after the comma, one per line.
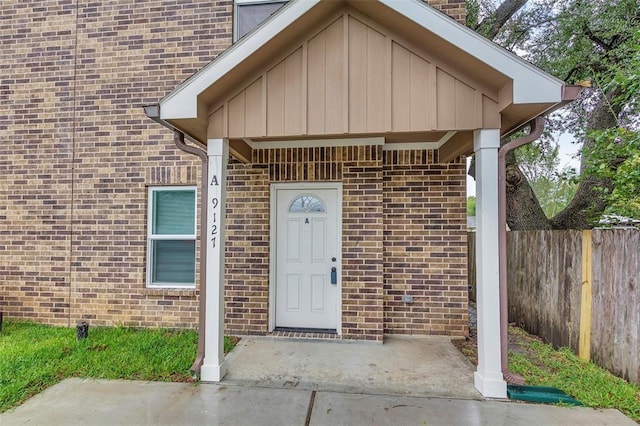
(307,242)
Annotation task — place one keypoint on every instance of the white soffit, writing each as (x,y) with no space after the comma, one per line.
(530,84)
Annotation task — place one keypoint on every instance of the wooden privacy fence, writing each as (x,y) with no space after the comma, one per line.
(579,289)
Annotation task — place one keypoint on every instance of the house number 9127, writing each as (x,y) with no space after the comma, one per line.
(215,202)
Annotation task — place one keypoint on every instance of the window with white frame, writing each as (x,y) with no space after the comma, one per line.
(248,14)
(171,237)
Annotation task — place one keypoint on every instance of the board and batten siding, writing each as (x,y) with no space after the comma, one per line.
(353,77)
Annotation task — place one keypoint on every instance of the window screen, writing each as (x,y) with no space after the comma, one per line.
(250,15)
(173,262)
(173,212)
(171,244)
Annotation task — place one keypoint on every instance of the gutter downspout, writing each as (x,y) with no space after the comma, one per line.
(153,112)
(569,94)
(178,138)
(537,127)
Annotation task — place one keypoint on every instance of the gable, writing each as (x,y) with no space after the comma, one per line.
(353,76)
(397,69)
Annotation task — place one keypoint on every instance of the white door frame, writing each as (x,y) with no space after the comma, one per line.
(273,220)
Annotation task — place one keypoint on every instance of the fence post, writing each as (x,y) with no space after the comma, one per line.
(584,351)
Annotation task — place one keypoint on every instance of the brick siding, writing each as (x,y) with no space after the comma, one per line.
(81,152)
(404,232)
(425,244)
(79,155)
(454,8)
(248,213)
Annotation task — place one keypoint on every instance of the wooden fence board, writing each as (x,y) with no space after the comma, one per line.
(544,282)
(632,248)
(586,297)
(598,304)
(616,326)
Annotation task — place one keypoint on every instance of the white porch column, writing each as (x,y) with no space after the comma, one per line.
(488,377)
(213,368)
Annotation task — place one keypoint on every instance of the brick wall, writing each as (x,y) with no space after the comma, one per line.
(36,119)
(404,232)
(425,244)
(81,152)
(248,199)
(130,54)
(78,155)
(247,250)
(455,8)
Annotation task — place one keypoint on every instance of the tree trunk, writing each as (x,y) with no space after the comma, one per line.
(585,208)
(589,203)
(523,208)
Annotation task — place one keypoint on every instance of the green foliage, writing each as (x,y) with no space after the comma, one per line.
(34,357)
(579,40)
(540,364)
(473,13)
(595,43)
(615,156)
(554,187)
(627,78)
(471,206)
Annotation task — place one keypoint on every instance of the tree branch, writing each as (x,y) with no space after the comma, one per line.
(594,38)
(524,31)
(492,24)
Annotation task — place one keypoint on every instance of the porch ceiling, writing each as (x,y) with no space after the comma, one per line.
(396,69)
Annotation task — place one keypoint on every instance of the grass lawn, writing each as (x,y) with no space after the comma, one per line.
(542,365)
(34,357)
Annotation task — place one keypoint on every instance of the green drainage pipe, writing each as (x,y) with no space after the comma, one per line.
(542,394)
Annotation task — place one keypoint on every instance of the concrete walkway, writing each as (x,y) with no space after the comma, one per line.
(103,402)
(416,366)
(275,381)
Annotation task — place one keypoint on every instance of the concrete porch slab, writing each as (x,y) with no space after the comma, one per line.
(416,366)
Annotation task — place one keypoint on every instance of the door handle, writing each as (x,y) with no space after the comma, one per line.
(334,275)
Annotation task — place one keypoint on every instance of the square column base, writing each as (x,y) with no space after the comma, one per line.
(212,372)
(490,387)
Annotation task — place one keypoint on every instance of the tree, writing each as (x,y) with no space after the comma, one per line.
(471,206)
(540,164)
(616,157)
(576,40)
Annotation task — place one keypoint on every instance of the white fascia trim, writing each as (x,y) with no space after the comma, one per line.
(530,84)
(315,143)
(182,102)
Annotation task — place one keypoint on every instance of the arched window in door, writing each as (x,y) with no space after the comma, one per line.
(307,203)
